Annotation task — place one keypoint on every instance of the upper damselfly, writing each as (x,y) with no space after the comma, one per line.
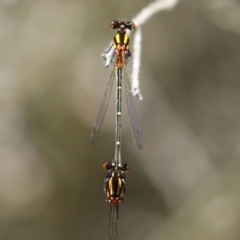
(119,57)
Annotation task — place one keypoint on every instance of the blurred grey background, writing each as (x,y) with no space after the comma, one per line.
(183,184)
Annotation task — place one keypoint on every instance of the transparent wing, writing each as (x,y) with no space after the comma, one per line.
(132,112)
(113,222)
(102,109)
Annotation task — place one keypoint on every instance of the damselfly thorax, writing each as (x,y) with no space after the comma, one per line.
(115,182)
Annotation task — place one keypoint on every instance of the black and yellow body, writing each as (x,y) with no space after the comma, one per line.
(121,46)
(115,182)
(121,40)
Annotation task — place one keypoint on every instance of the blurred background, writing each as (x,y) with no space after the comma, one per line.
(183,184)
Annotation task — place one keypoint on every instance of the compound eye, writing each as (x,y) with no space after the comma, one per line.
(130,25)
(107,165)
(127,167)
(124,167)
(114,24)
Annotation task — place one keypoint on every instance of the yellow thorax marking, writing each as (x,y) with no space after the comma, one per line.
(125,39)
(118,38)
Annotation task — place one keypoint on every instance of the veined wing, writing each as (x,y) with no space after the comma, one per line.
(132,112)
(113,222)
(102,109)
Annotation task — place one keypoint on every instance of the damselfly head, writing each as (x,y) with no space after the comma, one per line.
(111,165)
(122,25)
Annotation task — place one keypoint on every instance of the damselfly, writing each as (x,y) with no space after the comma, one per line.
(119,72)
(114,188)
(115,181)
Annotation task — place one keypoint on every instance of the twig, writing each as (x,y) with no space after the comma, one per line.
(142,17)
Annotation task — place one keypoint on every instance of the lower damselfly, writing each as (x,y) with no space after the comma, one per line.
(114,188)
(119,73)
